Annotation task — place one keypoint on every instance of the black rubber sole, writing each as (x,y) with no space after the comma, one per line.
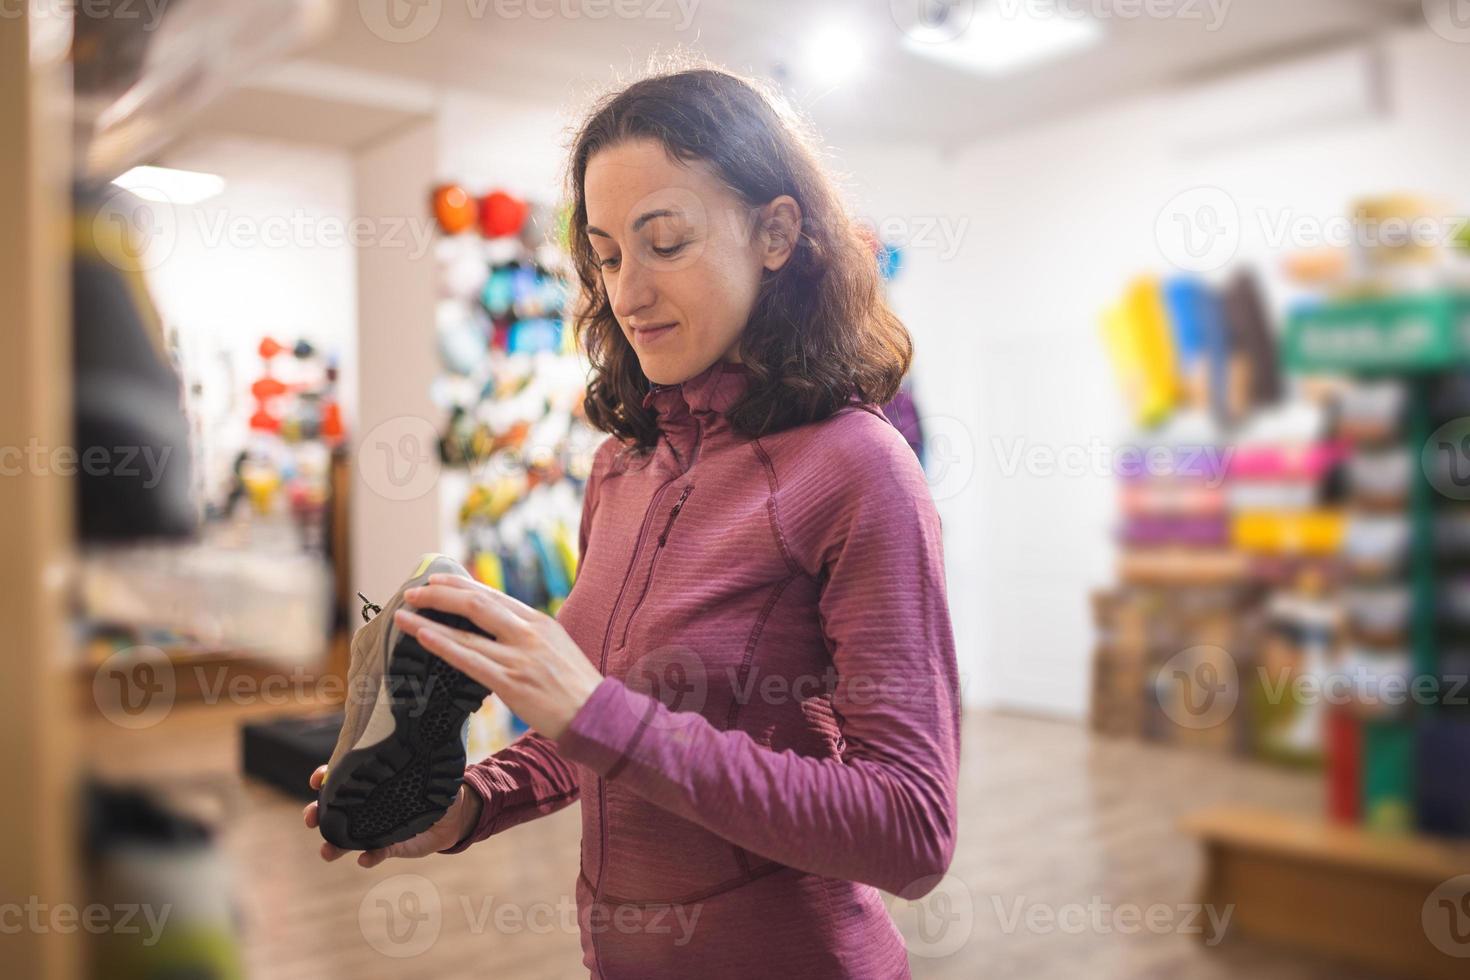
(385,793)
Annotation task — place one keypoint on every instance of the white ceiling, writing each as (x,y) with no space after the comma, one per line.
(895,96)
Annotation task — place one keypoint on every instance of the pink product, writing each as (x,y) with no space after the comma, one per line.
(1194,531)
(1307,462)
(1142,499)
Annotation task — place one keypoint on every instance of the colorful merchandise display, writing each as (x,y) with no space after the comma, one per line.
(1340,524)
(514,438)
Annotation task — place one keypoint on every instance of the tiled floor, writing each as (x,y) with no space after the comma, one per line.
(1068,852)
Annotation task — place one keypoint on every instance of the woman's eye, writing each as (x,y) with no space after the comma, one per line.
(608,263)
(670,250)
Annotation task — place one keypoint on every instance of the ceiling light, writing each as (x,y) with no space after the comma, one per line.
(834,53)
(170,186)
(1007,36)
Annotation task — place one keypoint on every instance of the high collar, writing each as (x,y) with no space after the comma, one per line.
(710,392)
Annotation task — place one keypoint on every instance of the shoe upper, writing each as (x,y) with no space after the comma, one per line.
(370,649)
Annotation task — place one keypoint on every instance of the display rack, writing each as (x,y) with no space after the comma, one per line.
(1417,338)
(1357,892)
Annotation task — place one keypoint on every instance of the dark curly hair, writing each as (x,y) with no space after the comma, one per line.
(820,331)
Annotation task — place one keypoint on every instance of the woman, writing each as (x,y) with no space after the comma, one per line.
(752,687)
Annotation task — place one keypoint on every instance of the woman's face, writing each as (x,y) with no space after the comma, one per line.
(681,255)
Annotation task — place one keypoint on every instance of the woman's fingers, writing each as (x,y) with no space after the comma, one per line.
(310,815)
(371,859)
(331,852)
(516,606)
(318,777)
(473,644)
(475,655)
(478,607)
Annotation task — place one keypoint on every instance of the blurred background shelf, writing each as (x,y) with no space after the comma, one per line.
(1351,895)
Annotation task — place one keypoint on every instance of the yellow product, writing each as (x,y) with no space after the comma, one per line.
(562,545)
(504,494)
(1312,532)
(1137,335)
(488,570)
(261,483)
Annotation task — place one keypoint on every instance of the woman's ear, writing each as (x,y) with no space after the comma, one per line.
(780,230)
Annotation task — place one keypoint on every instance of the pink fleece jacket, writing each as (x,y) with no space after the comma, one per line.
(777,736)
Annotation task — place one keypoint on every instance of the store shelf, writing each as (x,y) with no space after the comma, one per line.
(1182,566)
(1334,890)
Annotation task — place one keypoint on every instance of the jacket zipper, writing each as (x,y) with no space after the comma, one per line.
(623,589)
(606,640)
(658,550)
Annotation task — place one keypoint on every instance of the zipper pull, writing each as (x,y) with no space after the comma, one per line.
(678,506)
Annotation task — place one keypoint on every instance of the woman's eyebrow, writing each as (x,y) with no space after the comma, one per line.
(643,219)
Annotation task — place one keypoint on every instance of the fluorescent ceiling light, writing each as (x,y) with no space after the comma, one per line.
(834,53)
(169,186)
(1007,36)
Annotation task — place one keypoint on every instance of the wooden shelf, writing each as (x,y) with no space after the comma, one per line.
(38,765)
(1333,890)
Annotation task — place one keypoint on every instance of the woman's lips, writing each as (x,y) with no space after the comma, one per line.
(647,335)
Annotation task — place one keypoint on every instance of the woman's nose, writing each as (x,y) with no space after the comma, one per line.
(634,291)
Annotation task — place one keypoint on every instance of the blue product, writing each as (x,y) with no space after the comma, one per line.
(552,573)
(1443,787)
(1186,299)
(534,336)
(498,293)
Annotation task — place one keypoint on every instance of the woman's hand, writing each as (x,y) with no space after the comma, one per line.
(535,667)
(452,828)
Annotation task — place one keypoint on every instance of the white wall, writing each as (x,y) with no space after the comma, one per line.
(394,502)
(905,191)
(1064,217)
(488,143)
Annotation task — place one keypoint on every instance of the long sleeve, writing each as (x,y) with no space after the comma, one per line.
(884,813)
(525,780)
(529,778)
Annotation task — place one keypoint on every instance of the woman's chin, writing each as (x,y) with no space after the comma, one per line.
(663,370)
